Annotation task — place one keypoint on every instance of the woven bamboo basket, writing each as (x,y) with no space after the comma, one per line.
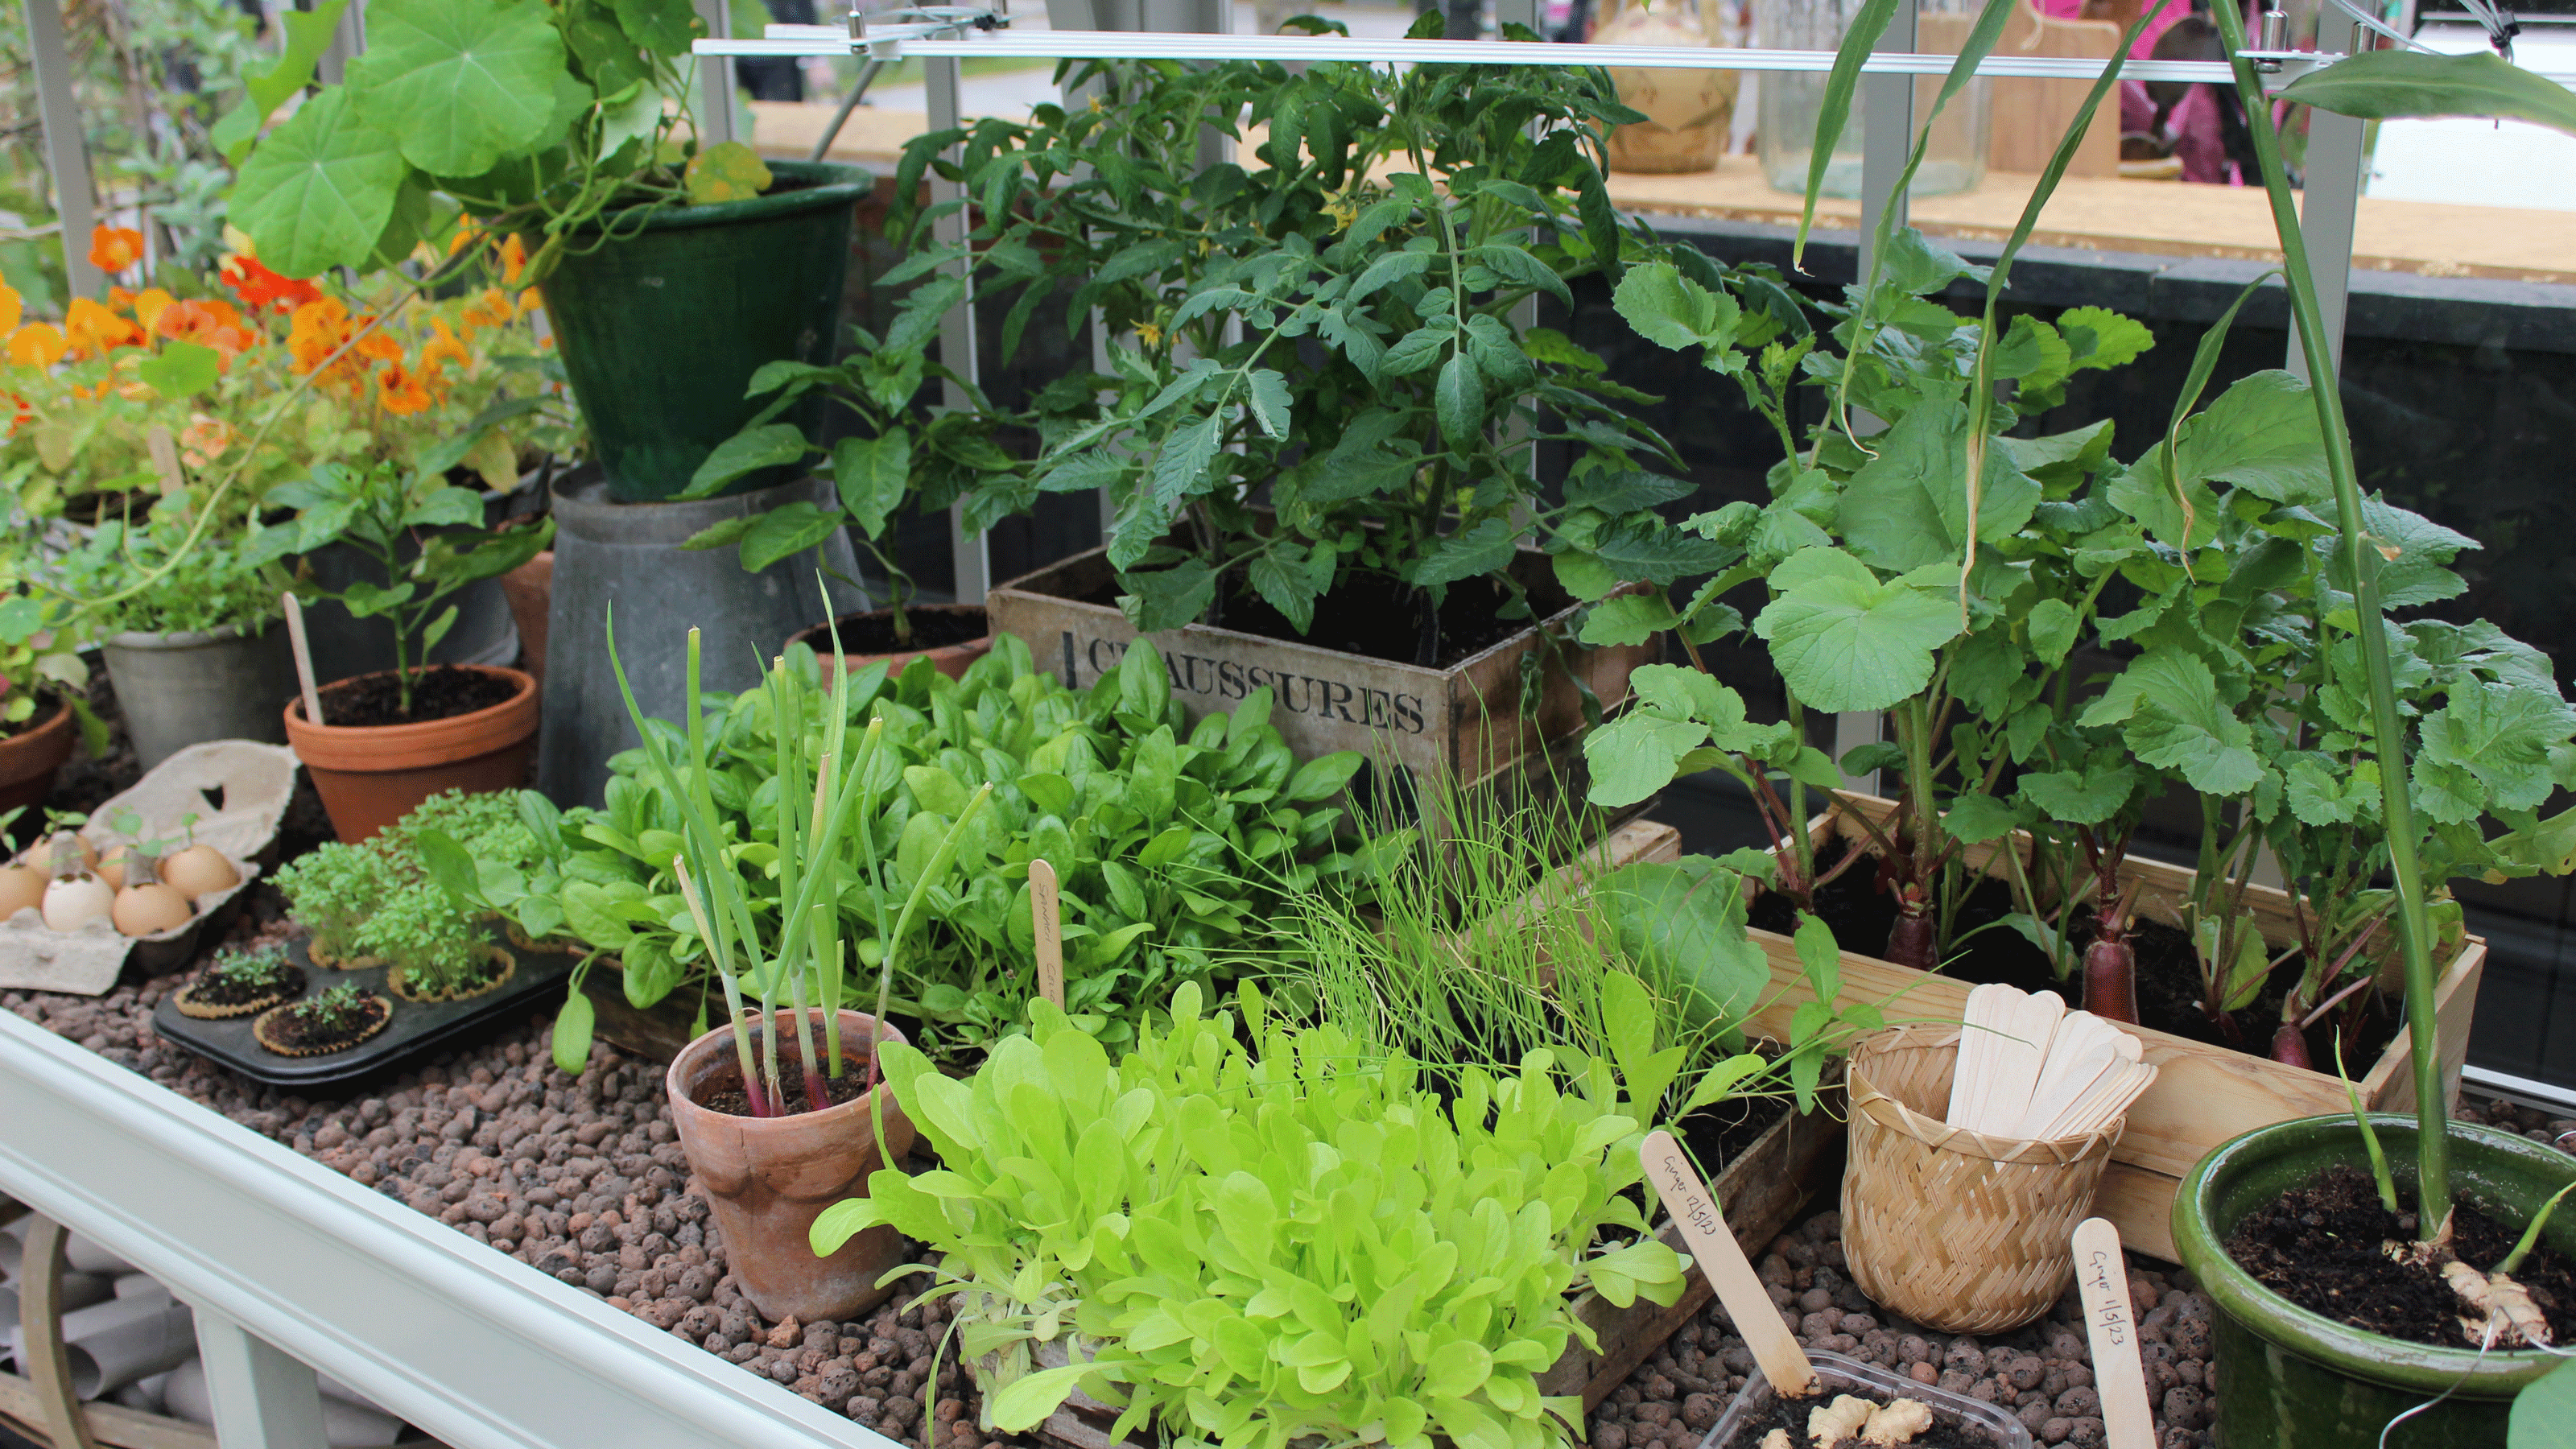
(1957,1230)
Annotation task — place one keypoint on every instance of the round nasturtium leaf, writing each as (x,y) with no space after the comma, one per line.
(464,83)
(726,171)
(319,189)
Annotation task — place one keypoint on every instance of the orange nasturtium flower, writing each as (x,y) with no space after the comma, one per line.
(38,344)
(19,413)
(514,260)
(442,348)
(12,307)
(212,322)
(401,393)
(114,248)
(262,290)
(325,327)
(149,304)
(95,330)
(204,440)
(492,309)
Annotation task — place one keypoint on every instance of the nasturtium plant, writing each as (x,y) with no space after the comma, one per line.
(1169,840)
(1245,1233)
(537,118)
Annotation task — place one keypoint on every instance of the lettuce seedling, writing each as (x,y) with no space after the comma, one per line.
(1254,1236)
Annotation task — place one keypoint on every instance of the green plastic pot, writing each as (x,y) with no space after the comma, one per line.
(2293,1379)
(661,329)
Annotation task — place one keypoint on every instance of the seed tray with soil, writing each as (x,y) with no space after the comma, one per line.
(2040,1374)
(2325,1246)
(580,1177)
(441,691)
(493,967)
(322,1025)
(240,983)
(416,1026)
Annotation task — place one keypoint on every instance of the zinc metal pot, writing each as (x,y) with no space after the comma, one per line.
(2294,1379)
(662,328)
(181,689)
(370,776)
(768,1178)
(626,562)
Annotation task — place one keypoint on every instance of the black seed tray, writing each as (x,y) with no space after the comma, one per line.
(416,1028)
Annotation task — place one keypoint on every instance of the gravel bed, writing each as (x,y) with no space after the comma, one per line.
(582,1178)
(2042,1373)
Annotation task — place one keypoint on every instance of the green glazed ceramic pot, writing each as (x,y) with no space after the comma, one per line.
(2291,1379)
(661,329)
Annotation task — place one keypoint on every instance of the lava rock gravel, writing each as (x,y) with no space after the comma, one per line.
(2043,1373)
(579,1177)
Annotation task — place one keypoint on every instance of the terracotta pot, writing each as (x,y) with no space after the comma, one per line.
(948,659)
(28,759)
(371,776)
(530,588)
(768,1178)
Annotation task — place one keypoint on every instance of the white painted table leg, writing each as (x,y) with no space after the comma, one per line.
(263,1399)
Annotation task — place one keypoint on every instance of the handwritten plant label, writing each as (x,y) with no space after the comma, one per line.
(2119,1376)
(1721,1259)
(1046,915)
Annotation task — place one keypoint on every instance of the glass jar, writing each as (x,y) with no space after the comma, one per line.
(1789,101)
(1688,112)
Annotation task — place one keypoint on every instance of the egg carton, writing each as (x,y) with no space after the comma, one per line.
(238,790)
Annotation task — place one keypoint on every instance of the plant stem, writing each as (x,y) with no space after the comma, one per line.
(742,1048)
(816,1096)
(2388,727)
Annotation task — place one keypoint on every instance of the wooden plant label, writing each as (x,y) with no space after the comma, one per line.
(1047,916)
(2102,1279)
(1775,1349)
(303,656)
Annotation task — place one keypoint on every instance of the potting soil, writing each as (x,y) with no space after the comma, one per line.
(2041,1374)
(442,691)
(873,633)
(2319,1247)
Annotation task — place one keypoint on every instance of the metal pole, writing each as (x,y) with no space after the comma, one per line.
(66,154)
(2327,204)
(262,1398)
(348,42)
(714,108)
(1886,138)
(968,552)
(1887,133)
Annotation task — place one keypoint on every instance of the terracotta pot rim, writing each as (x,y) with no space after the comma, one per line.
(36,742)
(720,1040)
(391,749)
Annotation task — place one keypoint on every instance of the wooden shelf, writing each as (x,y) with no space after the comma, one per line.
(2111,214)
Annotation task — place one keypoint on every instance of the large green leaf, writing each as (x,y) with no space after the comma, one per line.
(2380,85)
(1483,549)
(1906,507)
(1670,310)
(665,27)
(771,445)
(1843,640)
(1684,922)
(784,531)
(464,83)
(2168,703)
(871,474)
(2261,435)
(318,191)
(2544,1413)
(2489,745)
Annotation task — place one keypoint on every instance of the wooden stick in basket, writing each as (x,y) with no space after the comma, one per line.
(1046,914)
(2102,1280)
(1775,1349)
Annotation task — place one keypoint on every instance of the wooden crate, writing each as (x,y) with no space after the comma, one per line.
(1465,720)
(2203,1095)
